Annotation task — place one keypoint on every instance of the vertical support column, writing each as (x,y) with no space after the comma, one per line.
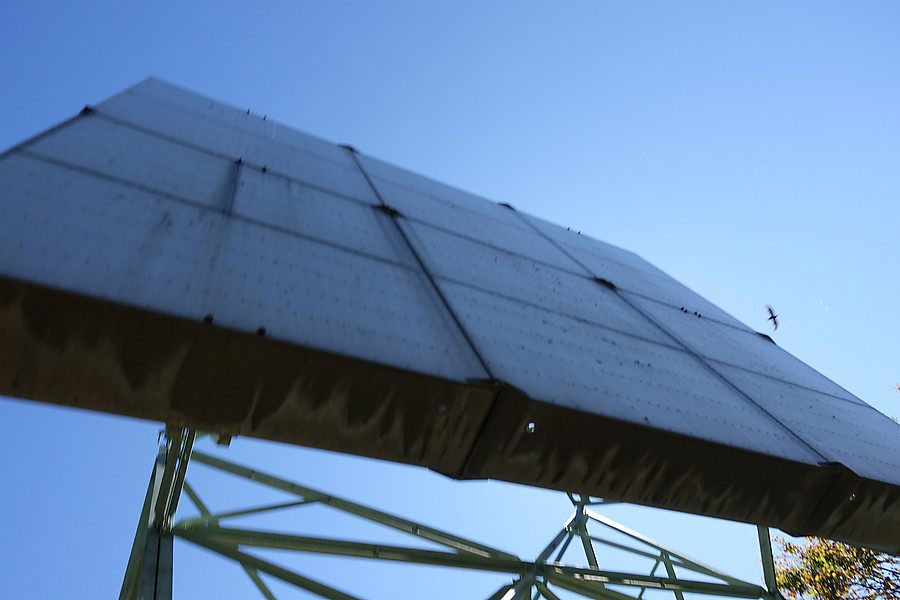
(155,578)
(143,559)
(580,529)
(148,575)
(768,561)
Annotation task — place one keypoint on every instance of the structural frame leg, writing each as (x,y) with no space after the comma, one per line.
(149,572)
(148,575)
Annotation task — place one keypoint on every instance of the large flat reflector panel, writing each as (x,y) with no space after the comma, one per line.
(169,257)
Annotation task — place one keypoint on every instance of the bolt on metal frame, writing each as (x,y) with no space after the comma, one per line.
(149,571)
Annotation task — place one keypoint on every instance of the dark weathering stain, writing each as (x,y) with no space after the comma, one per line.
(229,377)
(57,319)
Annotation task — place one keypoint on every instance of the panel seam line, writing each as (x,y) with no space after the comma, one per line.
(422,266)
(698,357)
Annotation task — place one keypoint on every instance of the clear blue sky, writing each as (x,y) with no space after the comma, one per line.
(750,150)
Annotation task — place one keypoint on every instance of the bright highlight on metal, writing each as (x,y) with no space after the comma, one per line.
(165,256)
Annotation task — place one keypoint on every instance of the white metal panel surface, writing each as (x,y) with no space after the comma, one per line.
(150,223)
(286,205)
(106,150)
(134,104)
(192,121)
(850,433)
(630,272)
(330,299)
(103,238)
(493,270)
(437,196)
(718,343)
(285,287)
(418,199)
(291,241)
(561,360)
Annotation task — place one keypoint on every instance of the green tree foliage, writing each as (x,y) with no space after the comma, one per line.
(827,570)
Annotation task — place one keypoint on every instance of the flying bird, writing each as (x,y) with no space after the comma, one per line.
(772,317)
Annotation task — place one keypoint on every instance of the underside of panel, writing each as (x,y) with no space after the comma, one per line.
(168,257)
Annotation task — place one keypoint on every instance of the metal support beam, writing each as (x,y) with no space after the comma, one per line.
(768,560)
(155,579)
(148,575)
(262,587)
(133,571)
(260,539)
(429,533)
(252,563)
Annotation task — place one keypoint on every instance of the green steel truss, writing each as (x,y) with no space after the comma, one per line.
(149,571)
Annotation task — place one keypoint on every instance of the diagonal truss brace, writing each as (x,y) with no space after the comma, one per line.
(148,575)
